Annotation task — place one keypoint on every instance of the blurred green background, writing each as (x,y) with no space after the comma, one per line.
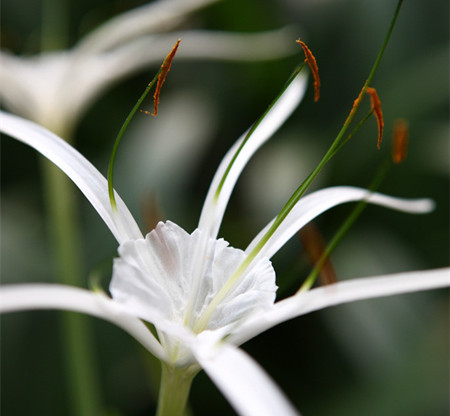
(380,357)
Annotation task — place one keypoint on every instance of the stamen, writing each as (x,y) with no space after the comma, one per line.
(314,247)
(311,60)
(243,267)
(165,68)
(376,108)
(400,138)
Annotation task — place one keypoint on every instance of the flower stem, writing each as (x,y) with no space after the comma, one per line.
(174,390)
(62,217)
(76,335)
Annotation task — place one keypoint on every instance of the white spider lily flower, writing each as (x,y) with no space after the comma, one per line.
(55,88)
(204,297)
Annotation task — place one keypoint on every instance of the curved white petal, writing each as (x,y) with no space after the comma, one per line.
(243,382)
(342,292)
(90,181)
(158,16)
(51,296)
(213,210)
(314,204)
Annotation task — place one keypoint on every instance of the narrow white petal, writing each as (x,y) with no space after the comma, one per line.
(158,16)
(90,181)
(48,296)
(243,382)
(213,211)
(314,204)
(339,293)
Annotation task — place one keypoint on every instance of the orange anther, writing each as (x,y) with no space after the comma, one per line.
(311,60)
(376,108)
(165,68)
(400,137)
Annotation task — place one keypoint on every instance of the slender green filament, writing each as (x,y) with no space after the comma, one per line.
(127,121)
(200,325)
(338,142)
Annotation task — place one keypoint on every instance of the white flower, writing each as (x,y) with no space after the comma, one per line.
(55,88)
(203,297)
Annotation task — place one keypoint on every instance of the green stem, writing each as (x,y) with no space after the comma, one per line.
(55,23)
(174,390)
(62,212)
(77,335)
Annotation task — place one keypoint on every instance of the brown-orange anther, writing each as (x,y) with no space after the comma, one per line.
(400,138)
(165,68)
(311,60)
(376,108)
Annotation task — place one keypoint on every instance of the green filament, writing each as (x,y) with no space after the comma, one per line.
(338,142)
(335,146)
(127,121)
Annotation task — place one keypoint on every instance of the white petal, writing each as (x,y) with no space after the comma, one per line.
(90,181)
(236,46)
(158,16)
(48,296)
(33,86)
(213,211)
(342,292)
(314,204)
(243,382)
(201,44)
(14,95)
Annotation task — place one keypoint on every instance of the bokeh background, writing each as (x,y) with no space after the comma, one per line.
(386,356)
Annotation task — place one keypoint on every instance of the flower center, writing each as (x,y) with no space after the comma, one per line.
(159,273)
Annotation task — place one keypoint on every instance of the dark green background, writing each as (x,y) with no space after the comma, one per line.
(380,357)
